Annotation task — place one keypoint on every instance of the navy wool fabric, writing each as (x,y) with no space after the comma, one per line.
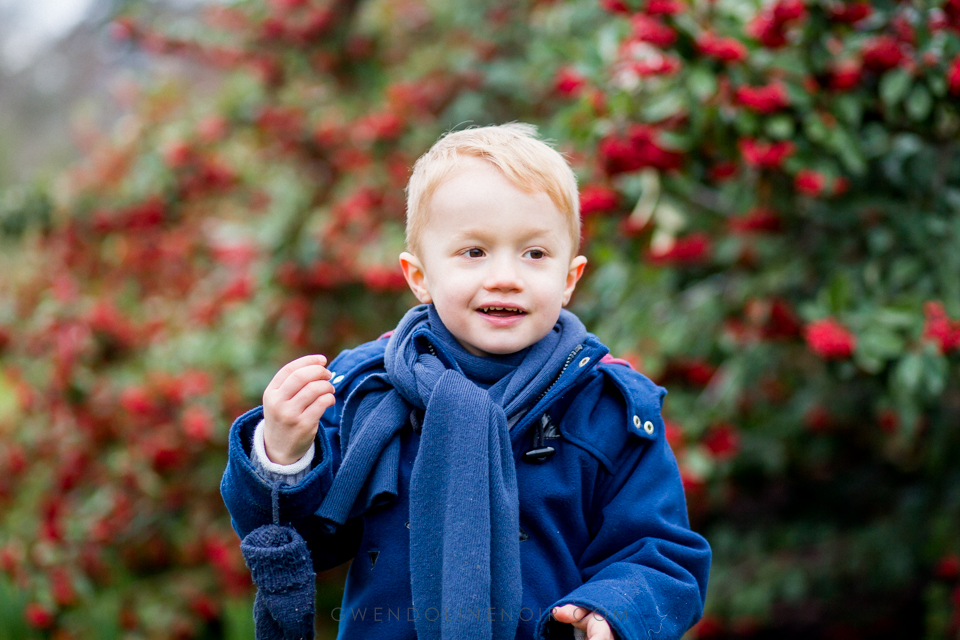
(280,566)
(464,507)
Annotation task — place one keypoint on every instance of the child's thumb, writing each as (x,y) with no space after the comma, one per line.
(570,614)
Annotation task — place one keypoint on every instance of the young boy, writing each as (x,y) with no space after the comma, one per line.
(491,472)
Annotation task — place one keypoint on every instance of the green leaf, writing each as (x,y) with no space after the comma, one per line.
(904,271)
(952,198)
(868,361)
(880,240)
(919,104)
(848,150)
(879,343)
(22,209)
(701,83)
(799,97)
(814,128)
(747,123)
(907,144)
(663,106)
(699,464)
(839,293)
(894,86)
(12,602)
(876,140)
(608,42)
(780,127)
(909,373)
(938,85)
(674,141)
(935,369)
(849,109)
(895,318)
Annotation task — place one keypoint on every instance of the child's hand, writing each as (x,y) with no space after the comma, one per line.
(589,621)
(292,405)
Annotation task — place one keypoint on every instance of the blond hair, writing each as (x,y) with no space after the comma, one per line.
(529,163)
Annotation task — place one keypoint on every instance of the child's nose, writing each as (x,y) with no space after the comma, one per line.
(503,275)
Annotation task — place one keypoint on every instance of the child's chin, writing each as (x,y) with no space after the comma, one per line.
(482,352)
(506,351)
(501,348)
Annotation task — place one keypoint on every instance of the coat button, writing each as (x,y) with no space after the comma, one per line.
(648,427)
(585,360)
(539,455)
(337,380)
(636,421)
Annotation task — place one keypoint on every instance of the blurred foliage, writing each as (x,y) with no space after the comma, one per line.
(771,200)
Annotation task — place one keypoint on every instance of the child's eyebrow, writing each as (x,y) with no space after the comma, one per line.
(525,235)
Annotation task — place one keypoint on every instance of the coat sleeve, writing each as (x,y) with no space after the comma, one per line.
(644,569)
(247,494)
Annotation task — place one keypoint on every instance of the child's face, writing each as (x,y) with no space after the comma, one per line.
(488,244)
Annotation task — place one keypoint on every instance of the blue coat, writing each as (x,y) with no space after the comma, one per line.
(603,520)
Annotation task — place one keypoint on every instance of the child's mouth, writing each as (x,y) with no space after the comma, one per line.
(502,312)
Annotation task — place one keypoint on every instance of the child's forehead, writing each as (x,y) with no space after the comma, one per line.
(462,181)
(453,231)
(461,206)
(465,165)
(480,226)
(479,178)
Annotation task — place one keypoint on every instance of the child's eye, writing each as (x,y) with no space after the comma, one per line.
(536,254)
(474,253)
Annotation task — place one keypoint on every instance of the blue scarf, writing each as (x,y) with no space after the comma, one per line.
(464,508)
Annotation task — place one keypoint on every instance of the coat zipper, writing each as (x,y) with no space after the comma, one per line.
(573,354)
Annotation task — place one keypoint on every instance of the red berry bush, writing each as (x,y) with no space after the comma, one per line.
(771,199)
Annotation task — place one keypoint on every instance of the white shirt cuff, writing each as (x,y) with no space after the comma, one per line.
(260,451)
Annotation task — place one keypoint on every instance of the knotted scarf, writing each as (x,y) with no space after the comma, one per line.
(464,507)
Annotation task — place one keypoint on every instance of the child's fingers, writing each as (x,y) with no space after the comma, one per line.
(297,380)
(288,434)
(571,614)
(308,394)
(281,376)
(592,623)
(597,627)
(288,411)
(315,409)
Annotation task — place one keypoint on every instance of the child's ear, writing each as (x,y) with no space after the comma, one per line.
(416,277)
(573,275)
